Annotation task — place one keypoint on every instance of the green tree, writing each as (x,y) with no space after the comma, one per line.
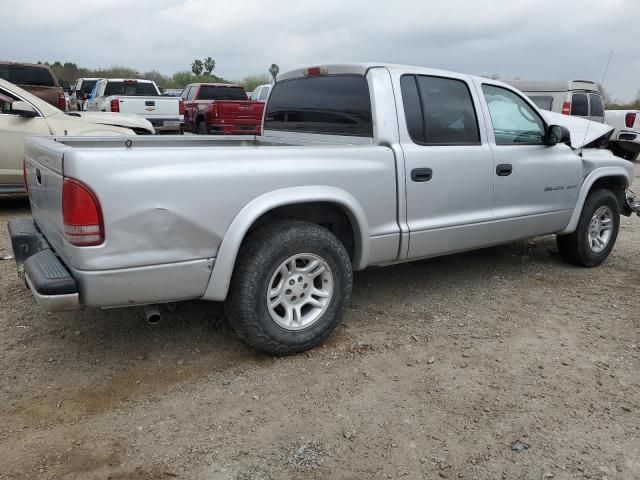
(274,70)
(197,67)
(250,82)
(209,65)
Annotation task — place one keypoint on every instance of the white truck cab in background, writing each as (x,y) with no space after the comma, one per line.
(141,97)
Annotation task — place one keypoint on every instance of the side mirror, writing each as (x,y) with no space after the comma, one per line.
(558,134)
(23,109)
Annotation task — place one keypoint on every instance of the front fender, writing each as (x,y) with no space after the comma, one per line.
(218,286)
(601,172)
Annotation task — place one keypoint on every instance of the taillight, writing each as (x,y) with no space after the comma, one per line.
(115,105)
(630,119)
(215,110)
(24,174)
(62,102)
(566,108)
(81,214)
(181,107)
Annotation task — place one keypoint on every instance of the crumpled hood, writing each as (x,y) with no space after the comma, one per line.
(578,127)
(128,120)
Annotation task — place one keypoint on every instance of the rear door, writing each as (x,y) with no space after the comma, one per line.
(448,165)
(535,185)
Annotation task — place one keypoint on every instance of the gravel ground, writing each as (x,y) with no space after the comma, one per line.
(439,369)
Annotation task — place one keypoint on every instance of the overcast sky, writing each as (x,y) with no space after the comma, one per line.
(532,39)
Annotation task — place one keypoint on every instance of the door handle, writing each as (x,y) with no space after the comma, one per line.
(504,169)
(421,174)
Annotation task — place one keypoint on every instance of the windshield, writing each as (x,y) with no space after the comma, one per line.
(130,88)
(211,92)
(87,86)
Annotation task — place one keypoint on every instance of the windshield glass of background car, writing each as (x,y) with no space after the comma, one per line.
(596,106)
(87,86)
(580,105)
(545,102)
(24,75)
(211,92)
(514,121)
(131,89)
(334,105)
(264,93)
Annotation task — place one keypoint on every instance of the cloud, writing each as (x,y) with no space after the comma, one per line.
(541,39)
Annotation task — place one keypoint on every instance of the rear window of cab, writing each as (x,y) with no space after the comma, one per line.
(329,105)
(27,75)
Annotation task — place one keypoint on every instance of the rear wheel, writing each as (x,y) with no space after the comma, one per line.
(596,232)
(290,287)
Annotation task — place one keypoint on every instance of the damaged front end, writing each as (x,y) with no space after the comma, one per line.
(632,203)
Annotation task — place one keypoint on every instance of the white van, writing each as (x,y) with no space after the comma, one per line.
(580,98)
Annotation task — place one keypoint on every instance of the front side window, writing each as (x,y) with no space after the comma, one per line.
(192,92)
(87,86)
(514,120)
(439,111)
(580,105)
(596,106)
(185,93)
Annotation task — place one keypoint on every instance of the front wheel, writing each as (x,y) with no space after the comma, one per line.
(290,287)
(596,232)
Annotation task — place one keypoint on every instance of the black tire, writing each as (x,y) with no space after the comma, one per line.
(575,248)
(201,129)
(259,257)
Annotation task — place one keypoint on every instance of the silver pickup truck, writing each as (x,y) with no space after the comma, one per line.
(359,165)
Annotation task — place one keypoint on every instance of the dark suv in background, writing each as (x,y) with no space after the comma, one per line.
(37,79)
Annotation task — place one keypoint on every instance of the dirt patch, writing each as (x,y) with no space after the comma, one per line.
(439,368)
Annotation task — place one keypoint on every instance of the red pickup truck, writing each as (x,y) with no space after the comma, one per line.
(219,108)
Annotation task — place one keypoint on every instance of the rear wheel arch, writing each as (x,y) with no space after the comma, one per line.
(318,204)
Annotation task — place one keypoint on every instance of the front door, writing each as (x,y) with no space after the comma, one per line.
(448,165)
(535,185)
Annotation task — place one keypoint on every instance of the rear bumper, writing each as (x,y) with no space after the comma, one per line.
(234,129)
(167,124)
(51,283)
(58,287)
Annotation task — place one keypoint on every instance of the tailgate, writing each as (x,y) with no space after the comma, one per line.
(239,109)
(44,159)
(149,107)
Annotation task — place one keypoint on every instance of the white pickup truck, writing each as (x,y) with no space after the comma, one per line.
(359,165)
(141,97)
(627,132)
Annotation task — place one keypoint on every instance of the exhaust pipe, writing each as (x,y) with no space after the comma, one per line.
(152,312)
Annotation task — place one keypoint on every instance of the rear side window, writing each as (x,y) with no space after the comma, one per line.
(333,105)
(27,75)
(439,111)
(596,106)
(580,105)
(545,102)
(210,92)
(131,89)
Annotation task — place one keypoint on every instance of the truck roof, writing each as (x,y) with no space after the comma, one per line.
(138,80)
(362,68)
(553,85)
(214,84)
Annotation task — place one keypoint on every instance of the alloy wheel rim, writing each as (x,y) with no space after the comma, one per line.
(299,292)
(600,229)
